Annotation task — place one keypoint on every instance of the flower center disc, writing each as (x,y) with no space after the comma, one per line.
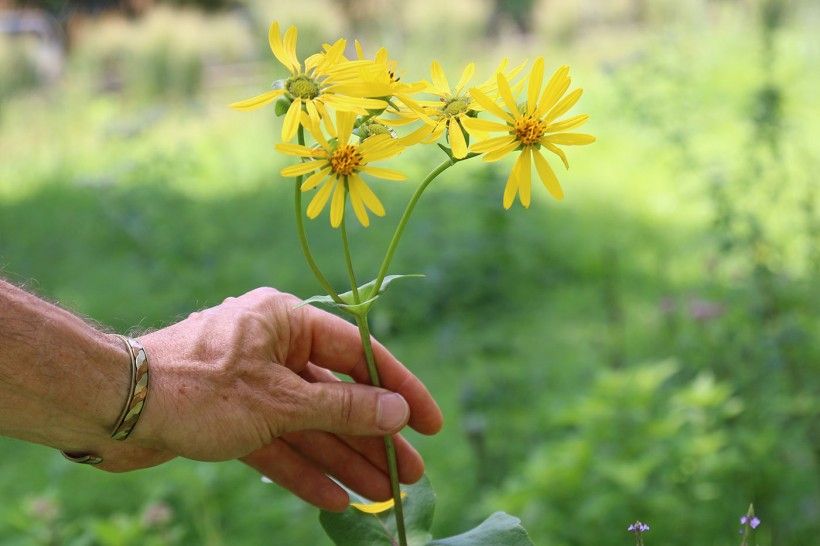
(302,87)
(529,130)
(345,160)
(456,106)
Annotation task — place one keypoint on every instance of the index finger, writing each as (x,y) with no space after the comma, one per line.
(333,343)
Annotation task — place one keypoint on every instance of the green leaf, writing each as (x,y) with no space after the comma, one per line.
(354,528)
(365,290)
(498,529)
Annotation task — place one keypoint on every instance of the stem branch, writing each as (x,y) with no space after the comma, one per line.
(408,211)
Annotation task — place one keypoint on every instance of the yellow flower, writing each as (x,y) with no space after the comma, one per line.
(529,127)
(317,85)
(453,107)
(337,165)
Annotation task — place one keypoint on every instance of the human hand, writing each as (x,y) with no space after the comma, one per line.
(251,379)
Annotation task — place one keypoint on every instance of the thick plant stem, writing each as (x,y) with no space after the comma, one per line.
(408,211)
(300,229)
(389,446)
(373,372)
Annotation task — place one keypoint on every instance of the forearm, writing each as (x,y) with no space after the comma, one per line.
(62,382)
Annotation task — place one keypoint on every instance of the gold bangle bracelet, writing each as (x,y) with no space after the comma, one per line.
(134,403)
(138,391)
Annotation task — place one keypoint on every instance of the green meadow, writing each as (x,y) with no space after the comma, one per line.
(646,349)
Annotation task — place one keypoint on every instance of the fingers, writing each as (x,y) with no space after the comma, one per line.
(336,458)
(350,408)
(284,466)
(410,463)
(330,342)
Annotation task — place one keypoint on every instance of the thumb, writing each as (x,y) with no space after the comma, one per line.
(350,408)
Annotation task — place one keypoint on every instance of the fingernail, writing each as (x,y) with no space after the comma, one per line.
(392,413)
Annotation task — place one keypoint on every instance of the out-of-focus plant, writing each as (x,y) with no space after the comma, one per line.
(643,440)
(162,54)
(350,109)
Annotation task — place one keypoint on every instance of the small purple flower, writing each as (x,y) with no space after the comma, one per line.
(751,521)
(638,527)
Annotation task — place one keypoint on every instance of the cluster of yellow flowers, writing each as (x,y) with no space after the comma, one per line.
(368,99)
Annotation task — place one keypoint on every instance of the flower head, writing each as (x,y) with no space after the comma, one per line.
(751,521)
(337,164)
(454,105)
(529,126)
(321,82)
(638,527)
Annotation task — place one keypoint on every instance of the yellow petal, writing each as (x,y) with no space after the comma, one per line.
(310,106)
(499,153)
(491,144)
(557,86)
(547,176)
(469,70)
(476,124)
(337,206)
(511,188)
(259,100)
(570,139)
(354,104)
(315,179)
(359,50)
(489,105)
(289,45)
(536,76)
(358,206)
(362,89)
(557,151)
(569,123)
(320,199)
(456,137)
(524,179)
(368,197)
(416,136)
(506,94)
(303,168)
(386,174)
(380,147)
(439,79)
(565,104)
(299,150)
(344,126)
(375,507)
(291,122)
(276,47)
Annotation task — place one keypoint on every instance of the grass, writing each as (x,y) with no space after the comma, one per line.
(541,332)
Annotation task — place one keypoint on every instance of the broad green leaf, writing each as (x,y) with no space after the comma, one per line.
(365,290)
(499,529)
(354,528)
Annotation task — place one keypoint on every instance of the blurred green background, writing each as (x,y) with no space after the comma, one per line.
(646,349)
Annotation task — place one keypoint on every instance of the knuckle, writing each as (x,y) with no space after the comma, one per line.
(344,411)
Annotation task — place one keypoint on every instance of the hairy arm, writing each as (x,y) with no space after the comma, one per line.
(62,382)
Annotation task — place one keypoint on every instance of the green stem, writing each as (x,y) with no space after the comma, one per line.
(300,229)
(389,446)
(408,211)
(373,372)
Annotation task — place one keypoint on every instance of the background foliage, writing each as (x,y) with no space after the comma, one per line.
(646,349)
